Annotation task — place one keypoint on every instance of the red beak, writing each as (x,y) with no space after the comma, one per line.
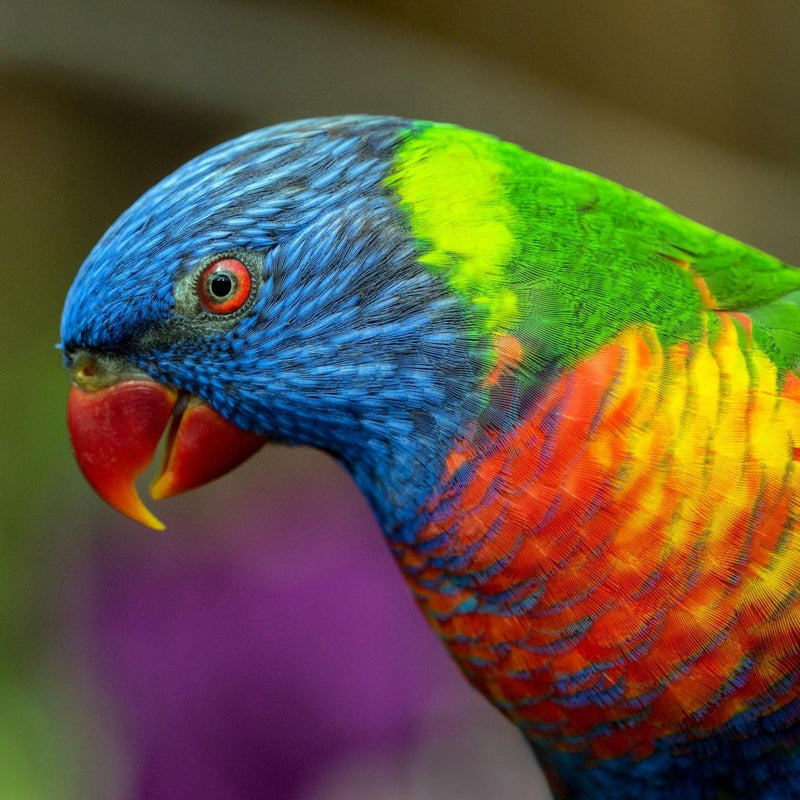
(115,431)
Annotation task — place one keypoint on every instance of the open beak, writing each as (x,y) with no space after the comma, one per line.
(115,430)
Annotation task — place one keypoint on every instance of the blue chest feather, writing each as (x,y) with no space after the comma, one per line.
(752,757)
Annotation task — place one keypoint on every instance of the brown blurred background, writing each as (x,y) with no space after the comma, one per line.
(694,103)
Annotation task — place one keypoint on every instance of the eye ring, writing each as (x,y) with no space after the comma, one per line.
(224,286)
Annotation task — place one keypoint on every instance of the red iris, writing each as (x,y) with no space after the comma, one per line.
(224,286)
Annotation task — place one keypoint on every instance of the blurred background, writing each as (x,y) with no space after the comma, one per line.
(265,646)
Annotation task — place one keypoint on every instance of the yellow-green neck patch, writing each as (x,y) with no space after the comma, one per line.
(451,185)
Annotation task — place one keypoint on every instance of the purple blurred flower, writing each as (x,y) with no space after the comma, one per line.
(246,659)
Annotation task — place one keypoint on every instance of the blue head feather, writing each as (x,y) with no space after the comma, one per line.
(351,344)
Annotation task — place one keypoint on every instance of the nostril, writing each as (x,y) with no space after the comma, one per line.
(93,371)
(84,373)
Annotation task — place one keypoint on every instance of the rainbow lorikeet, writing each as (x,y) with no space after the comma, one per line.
(575,414)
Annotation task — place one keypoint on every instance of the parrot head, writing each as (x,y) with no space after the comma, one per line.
(270,289)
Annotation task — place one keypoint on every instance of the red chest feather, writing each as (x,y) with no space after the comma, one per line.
(625,564)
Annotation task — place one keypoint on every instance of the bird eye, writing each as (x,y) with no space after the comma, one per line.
(224,286)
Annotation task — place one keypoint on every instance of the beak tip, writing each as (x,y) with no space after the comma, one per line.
(151,521)
(129,504)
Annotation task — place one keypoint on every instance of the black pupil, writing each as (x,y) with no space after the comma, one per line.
(220,286)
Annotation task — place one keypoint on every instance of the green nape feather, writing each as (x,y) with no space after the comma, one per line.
(564,259)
